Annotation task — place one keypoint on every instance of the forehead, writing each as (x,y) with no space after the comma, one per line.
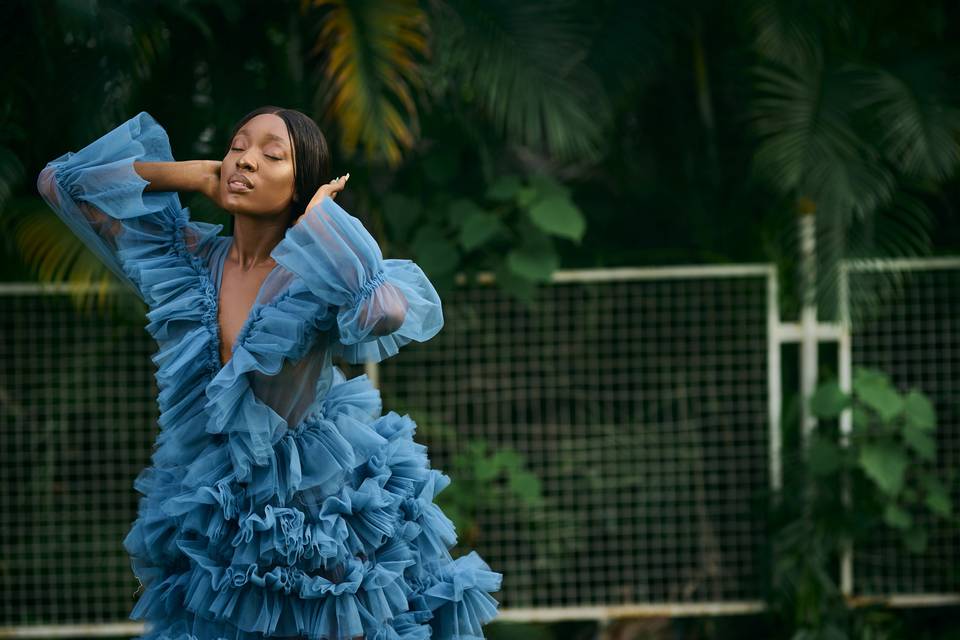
(268,126)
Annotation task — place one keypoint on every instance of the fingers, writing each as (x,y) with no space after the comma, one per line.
(338,184)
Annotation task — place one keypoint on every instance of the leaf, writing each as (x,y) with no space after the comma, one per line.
(524,65)
(937,498)
(486,469)
(919,411)
(917,125)
(824,456)
(526,486)
(508,460)
(460,209)
(504,188)
(885,464)
(478,229)
(526,196)
(372,69)
(547,186)
(558,216)
(434,252)
(828,400)
(533,263)
(401,213)
(861,419)
(897,517)
(874,390)
(516,286)
(922,443)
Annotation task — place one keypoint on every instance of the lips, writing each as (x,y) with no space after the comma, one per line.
(241,179)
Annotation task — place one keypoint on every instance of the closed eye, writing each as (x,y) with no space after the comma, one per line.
(271,157)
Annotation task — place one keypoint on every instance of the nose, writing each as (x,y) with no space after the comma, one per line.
(242,161)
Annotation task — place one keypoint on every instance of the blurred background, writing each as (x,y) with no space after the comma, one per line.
(700,265)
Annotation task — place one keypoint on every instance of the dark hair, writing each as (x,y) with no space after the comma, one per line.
(311,156)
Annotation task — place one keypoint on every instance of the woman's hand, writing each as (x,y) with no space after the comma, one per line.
(210,182)
(331,189)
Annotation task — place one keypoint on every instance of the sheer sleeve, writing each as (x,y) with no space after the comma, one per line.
(99,195)
(380,304)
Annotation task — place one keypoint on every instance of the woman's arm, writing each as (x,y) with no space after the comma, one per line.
(186,175)
(381,304)
(100,195)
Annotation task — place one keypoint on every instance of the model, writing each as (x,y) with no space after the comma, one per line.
(280,500)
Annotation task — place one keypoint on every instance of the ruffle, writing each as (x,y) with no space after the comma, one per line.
(151,540)
(282,601)
(339,536)
(276,331)
(247,527)
(149,241)
(381,305)
(460,598)
(129,224)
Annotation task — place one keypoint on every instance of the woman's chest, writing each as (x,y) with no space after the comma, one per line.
(239,289)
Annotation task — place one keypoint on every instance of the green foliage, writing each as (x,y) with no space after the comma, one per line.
(484,477)
(488,479)
(892,444)
(511,226)
(887,463)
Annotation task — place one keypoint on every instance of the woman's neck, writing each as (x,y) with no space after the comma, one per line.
(254,237)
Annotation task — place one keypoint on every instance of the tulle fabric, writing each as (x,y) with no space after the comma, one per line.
(99,195)
(381,304)
(257,521)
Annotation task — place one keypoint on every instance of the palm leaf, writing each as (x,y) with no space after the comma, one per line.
(916,125)
(524,63)
(813,147)
(809,145)
(57,255)
(372,66)
(793,31)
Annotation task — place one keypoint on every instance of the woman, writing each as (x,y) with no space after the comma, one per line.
(280,500)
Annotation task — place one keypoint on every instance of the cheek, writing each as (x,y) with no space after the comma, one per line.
(276,187)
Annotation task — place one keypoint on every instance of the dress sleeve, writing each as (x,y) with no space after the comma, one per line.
(380,304)
(99,195)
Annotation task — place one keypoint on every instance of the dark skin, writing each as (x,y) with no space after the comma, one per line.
(261,214)
(261,152)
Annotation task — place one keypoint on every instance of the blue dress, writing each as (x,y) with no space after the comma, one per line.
(280,500)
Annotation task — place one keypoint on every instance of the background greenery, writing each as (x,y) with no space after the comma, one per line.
(521,138)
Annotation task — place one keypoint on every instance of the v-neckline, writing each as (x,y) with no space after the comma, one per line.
(218,287)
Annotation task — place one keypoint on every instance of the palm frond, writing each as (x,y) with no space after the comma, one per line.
(793,31)
(373,56)
(525,64)
(917,127)
(809,145)
(57,255)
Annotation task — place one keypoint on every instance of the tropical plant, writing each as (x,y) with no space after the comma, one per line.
(853,128)
(887,462)
(365,70)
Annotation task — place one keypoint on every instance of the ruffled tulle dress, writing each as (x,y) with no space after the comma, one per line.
(280,500)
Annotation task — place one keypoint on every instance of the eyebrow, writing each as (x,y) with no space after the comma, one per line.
(272,136)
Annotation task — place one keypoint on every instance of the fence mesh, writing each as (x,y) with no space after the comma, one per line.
(79,416)
(640,405)
(608,445)
(911,331)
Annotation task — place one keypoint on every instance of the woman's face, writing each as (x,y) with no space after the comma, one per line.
(261,153)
